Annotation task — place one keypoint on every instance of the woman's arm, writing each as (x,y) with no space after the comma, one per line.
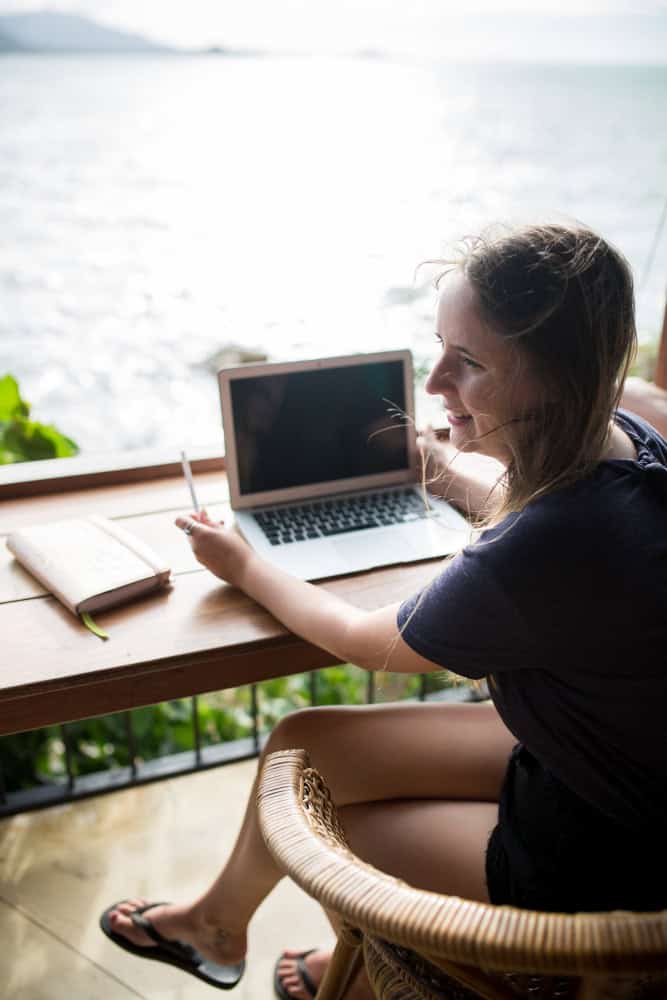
(648,400)
(369,639)
(469,481)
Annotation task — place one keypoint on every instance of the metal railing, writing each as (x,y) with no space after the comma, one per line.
(72,787)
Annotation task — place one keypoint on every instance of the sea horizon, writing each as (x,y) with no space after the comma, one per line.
(157,209)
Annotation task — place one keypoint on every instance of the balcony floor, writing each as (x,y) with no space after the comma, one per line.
(61,867)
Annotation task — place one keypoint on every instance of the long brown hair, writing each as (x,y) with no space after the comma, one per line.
(564,297)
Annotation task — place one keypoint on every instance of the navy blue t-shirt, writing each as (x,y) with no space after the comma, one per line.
(563,607)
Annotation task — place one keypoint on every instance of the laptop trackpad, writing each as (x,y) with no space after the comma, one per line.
(373,550)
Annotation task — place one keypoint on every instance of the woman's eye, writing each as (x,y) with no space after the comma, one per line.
(469,363)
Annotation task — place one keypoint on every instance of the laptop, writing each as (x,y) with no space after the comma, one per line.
(323,467)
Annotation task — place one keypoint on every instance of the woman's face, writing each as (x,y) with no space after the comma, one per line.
(483,378)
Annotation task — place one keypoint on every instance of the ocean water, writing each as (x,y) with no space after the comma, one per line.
(155,209)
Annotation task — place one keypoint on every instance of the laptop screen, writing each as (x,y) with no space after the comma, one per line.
(328,424)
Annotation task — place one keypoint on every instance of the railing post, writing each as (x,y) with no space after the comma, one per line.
(254,708)
(68,758)
(196,731)
(131,743)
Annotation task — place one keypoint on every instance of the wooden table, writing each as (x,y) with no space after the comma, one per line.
(201,635)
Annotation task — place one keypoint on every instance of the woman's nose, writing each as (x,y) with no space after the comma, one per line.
(438,379)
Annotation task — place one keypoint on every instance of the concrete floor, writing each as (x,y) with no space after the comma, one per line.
(61,867)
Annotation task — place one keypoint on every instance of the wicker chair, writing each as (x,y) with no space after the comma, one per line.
(421,944)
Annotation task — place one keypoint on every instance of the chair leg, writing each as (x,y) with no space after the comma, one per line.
(346,961)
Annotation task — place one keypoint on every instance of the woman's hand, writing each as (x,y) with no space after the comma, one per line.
(469,480)
(219,549)
(437,452)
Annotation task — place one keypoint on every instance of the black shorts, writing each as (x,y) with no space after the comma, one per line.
(552,851)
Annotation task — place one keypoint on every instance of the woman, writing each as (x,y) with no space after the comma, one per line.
(560,603)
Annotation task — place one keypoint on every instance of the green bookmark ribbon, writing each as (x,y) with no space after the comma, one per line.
(90,624)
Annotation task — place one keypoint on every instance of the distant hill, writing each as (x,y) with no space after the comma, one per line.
(8,44)
(50,31)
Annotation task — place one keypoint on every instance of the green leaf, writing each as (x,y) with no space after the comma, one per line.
(23,440)
(11,404)
(34,441)
(8,457)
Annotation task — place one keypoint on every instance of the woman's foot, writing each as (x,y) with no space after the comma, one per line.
(291,977)
(223,945)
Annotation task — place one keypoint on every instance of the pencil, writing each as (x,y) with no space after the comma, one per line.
(187,472)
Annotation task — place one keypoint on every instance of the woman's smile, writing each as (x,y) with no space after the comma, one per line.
(457,419)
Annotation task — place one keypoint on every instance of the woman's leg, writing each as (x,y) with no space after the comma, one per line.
(429,844)
(381,763)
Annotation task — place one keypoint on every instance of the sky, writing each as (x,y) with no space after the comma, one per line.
(602,30)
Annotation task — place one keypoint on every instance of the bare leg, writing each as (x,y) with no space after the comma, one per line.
(389,756)
(433,845)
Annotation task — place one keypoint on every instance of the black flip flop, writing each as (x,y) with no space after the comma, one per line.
(182,956)
(308,983)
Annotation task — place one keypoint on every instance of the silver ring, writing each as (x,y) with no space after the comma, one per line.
(188,528)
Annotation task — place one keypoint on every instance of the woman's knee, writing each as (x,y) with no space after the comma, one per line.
(306,728)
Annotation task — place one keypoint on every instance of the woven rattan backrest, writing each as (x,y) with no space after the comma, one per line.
(303,834)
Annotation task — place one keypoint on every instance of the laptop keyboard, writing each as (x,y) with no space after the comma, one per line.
(322,518)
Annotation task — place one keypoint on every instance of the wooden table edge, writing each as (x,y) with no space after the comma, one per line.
(85,696)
